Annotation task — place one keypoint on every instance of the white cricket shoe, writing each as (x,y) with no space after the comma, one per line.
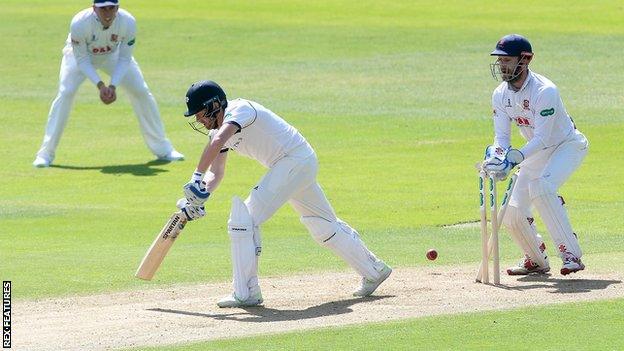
(526,267)
(368,286)
(572,265)
(172,156)
(231,301)
(41,162)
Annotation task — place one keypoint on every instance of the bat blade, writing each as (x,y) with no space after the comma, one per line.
(161,245)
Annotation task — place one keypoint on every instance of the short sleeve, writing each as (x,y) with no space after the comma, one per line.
(243,115)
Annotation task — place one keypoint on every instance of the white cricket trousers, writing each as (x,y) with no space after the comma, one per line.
(292,179)
(539,180)
(142,100)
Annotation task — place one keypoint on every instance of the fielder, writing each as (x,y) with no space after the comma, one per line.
(256,132)
(103,37)
(554,150)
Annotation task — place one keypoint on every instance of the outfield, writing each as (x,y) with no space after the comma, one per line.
(395,98)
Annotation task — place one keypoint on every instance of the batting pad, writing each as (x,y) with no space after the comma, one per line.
(525,235)
(345,242)
(243,248)
(555,217)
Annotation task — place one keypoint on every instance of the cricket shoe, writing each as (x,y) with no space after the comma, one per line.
(172,156)
(41,162)
(368,286)
(526,267)
(231,301)
(572,265)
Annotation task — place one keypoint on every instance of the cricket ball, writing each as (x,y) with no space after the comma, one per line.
(432,254)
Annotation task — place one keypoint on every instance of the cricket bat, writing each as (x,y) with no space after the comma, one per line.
(161,245)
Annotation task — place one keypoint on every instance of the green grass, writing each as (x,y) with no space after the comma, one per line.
(543,328)
(394,96)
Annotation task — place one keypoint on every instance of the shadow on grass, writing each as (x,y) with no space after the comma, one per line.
(139,169)
(562,286)
(265,314)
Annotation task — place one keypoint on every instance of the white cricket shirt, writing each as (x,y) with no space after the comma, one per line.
(538,112)
(92,44)
(263,136)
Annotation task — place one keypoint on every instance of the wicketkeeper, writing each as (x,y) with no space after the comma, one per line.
(252,130)
(553,151)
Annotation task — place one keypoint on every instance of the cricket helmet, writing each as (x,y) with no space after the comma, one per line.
(205,94)
(512,45)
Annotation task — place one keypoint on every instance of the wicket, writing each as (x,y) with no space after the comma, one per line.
(489,244)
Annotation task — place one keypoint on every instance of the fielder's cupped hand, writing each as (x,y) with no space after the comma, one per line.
(195,192)
(108,94)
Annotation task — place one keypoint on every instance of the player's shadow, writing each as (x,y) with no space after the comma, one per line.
(261,314)
(563,286)
(139,169)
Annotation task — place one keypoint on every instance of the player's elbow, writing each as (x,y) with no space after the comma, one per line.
(218,142)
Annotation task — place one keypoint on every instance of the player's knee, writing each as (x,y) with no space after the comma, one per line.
(67,91)
(321,229)
(540,187)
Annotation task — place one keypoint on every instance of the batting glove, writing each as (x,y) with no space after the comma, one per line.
(195,191)
(193,212)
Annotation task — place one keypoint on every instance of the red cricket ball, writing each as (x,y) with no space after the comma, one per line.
(432,254)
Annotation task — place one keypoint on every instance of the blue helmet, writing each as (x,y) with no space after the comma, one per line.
(512,45)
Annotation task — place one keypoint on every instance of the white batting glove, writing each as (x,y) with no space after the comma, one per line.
(182,203)
(193,212)
(195,191)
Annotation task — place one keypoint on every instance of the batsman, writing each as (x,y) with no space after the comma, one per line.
(554,149)
(254,131)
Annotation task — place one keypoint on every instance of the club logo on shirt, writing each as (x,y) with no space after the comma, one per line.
(521,121)
(102,50)
(114,37)
(547,112)
(525,104)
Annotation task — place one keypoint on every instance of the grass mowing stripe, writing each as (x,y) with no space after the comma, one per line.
(580,326)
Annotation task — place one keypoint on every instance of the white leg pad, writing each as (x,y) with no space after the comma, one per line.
(555,217)
(345,242)
(244,249)
(525,235)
